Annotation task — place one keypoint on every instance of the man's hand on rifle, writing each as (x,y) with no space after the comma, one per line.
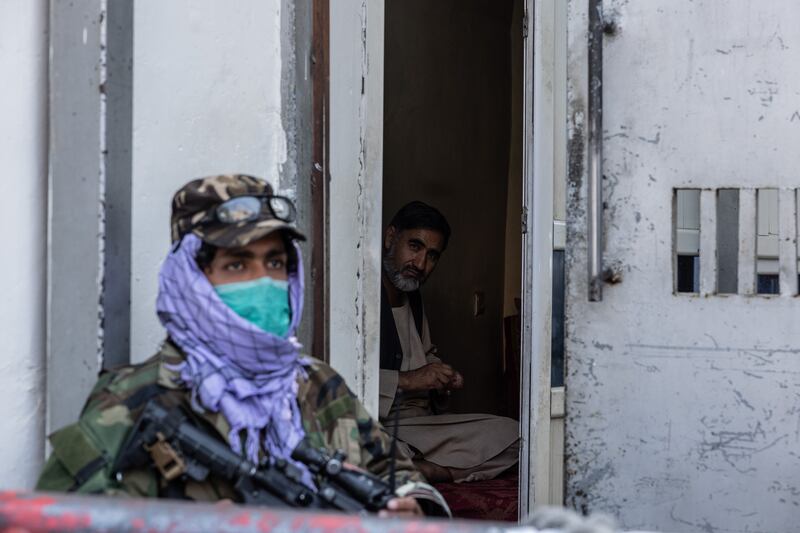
(439,376)
(401,508)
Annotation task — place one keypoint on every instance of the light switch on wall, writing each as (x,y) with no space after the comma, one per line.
(478,303)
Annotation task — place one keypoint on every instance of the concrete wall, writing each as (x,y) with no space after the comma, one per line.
(446,141)
(23,215)
(207,100)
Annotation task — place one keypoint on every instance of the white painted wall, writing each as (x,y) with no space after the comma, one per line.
(23,207)
(207,100)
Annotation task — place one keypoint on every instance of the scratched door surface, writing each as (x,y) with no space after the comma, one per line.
(683,410)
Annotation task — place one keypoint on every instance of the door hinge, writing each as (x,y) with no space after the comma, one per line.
(524,220)
(525,25)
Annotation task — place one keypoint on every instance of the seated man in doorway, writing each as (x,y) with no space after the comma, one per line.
(445,447)
(230,298)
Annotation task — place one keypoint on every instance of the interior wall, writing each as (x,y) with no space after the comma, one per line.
(446,142)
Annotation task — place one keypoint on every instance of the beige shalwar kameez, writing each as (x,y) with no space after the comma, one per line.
(471,446)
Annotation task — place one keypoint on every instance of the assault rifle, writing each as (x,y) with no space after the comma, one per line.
(180,450)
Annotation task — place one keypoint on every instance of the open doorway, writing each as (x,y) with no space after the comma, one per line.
(453,136)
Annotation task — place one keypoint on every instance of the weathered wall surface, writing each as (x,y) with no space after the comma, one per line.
(447,132)
(23,215)
(207,100)
(682,410)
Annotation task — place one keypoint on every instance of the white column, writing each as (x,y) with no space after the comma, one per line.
(23,216)
(356,188)
(77,179)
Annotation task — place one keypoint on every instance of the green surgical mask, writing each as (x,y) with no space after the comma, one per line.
(263,301)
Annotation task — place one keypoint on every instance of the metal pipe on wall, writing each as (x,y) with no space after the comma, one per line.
(595,156)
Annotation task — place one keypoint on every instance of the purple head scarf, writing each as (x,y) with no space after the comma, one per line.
(232,366)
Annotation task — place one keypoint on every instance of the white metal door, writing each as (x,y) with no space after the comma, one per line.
(683,409)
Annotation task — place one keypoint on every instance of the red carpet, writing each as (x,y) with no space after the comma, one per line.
(495,499)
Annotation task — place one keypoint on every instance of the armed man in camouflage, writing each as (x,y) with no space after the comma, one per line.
(230,297)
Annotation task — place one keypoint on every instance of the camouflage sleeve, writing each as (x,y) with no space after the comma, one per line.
(84,452)
(336,419)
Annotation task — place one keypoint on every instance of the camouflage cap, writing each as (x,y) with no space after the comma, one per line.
(198,200)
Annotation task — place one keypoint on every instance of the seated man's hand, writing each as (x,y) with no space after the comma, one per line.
(457,381)
(401,508)
(431,376)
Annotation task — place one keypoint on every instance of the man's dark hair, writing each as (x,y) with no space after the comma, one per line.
(205,255)
(419,215)
(207,252)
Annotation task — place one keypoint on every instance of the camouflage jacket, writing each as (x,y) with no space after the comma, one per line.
(84,452)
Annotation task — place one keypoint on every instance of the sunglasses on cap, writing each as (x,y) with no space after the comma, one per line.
(252,207)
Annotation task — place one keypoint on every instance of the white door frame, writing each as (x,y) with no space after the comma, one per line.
(356,190)
(356,152)
(542,125)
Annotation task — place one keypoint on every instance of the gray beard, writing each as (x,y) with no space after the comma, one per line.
(400,282)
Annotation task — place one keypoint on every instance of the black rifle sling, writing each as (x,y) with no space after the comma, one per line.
(90,469)
(143,395)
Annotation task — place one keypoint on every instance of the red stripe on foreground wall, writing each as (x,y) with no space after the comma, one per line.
(35,512)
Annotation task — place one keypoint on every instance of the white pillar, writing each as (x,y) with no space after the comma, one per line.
(89,171)
(23,215)
(356,188)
